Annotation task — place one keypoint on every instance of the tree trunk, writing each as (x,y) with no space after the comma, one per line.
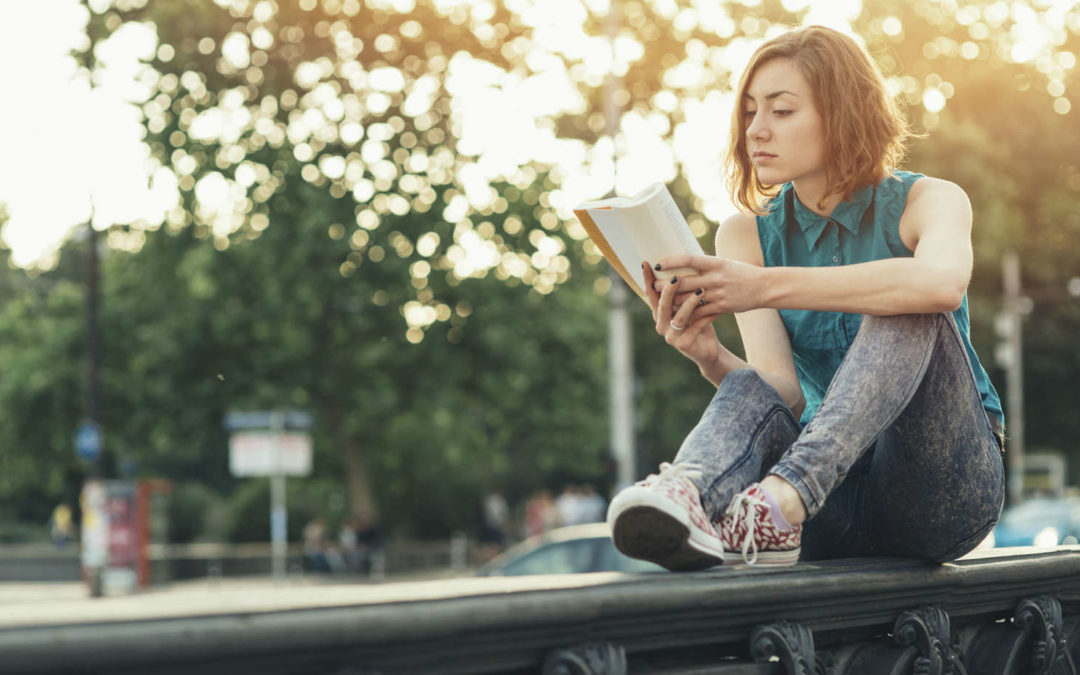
(361,500)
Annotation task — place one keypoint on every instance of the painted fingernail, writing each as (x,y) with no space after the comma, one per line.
(653,284)
(644,264)
(701,302)
(673,280)
(656,267)
(699,291)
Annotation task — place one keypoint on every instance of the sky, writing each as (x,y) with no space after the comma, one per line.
(66,145)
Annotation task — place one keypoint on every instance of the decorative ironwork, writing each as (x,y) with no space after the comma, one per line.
(1041,616)
(824,663)
(927,629)
(790,643)
(593,658)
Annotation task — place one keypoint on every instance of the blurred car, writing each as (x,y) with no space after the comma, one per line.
(1040,521)
(565,550)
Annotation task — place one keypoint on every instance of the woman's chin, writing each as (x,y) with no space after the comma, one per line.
(772,177)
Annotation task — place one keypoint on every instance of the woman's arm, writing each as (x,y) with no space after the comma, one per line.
(936,224)
(765,340)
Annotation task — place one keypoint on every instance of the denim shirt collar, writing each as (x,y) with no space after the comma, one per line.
(847,214)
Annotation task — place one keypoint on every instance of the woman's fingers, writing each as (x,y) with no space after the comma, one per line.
(697,262)
(652,293)
(665,309)
(651,289)
(711,309)
(680,321)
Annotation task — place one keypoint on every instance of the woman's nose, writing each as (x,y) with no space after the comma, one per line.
(757,128)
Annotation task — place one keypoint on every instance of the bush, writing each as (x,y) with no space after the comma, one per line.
(22,533)
(248,507)
(196,513)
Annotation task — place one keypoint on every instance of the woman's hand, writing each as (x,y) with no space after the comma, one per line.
(692,335)
(727,286)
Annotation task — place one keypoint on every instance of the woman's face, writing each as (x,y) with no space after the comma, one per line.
(785,134)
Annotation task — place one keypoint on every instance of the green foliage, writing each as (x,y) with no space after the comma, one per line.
(196,513)
(41,344)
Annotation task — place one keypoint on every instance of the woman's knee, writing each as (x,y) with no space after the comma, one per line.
(911,324)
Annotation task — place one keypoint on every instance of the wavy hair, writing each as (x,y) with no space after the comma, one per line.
(865,132)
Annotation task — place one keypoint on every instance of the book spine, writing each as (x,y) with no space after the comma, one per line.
(609,253)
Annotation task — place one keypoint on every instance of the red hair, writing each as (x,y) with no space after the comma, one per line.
(865,132)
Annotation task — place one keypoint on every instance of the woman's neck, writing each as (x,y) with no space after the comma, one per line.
(810,192)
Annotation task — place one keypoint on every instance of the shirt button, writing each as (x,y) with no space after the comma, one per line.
(836,258)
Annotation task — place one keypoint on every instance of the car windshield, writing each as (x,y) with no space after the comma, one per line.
(564,557)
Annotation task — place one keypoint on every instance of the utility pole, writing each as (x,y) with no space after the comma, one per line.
(620,338)
(279,524)
(89,442)
(93,344)
(1011,356)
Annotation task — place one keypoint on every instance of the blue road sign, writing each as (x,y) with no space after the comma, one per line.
(264,419)
(88,441)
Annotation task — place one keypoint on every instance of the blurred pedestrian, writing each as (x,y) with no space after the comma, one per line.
(540,513)
(593,507)
(315,545)
(569,505)
(494,525)
(61,525)
(361,543)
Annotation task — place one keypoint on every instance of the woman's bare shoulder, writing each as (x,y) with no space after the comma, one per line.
(737,238)
(930,189)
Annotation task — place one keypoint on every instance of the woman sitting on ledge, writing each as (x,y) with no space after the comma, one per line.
(861,416)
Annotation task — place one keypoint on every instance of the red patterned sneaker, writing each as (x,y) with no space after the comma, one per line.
(661,519)
(748,528)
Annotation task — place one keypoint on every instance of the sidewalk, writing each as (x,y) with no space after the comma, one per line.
(36,603)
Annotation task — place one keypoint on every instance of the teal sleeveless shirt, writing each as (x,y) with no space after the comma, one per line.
(863,229)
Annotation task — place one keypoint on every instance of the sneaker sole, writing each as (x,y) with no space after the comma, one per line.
(653,532)
(768,557)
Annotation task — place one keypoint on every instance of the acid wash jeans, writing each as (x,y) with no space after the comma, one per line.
(899,460)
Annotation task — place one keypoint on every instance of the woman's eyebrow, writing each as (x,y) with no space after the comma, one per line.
(772,95)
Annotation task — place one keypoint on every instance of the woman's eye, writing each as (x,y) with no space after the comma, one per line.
(749,113)
(782,113)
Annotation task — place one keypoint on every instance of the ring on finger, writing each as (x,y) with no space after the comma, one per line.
(675,326)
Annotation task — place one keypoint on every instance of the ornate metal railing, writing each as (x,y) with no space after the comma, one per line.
(1005,611)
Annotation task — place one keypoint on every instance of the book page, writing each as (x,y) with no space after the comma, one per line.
(647,227)
(672,217)
(613,225)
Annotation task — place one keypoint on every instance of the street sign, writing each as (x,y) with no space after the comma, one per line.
(264,419)
(254,453)
(272,443)
(88,441)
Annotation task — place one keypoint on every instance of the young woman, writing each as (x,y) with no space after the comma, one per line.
(861,422)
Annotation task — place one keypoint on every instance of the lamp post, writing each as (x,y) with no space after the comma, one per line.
(620,338)
(1010,355)
(93,343)
(89,442)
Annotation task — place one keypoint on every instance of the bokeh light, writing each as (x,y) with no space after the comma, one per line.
(371,126)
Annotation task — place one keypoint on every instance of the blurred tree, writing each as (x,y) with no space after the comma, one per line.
(41,393)
(327,133)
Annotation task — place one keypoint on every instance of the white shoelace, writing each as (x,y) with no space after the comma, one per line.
(743,508)
(685,471)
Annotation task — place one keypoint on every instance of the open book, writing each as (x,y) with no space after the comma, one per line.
(631,230)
